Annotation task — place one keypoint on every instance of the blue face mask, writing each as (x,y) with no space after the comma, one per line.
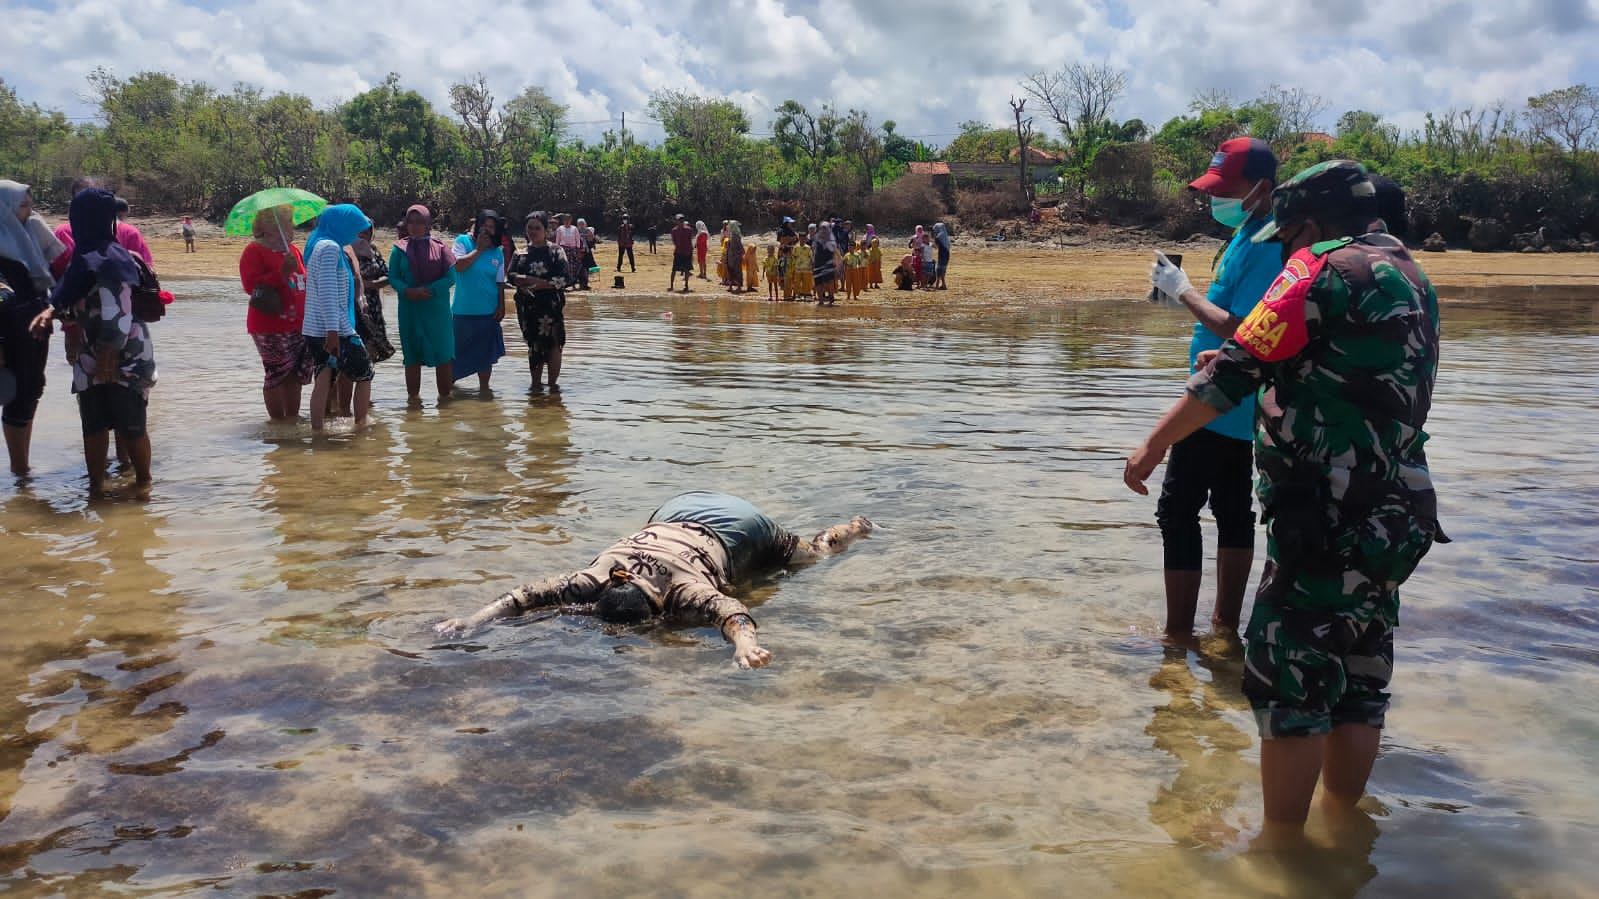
(1228,211)
(1231,212)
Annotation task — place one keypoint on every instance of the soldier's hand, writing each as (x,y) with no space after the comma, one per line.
(1140,465)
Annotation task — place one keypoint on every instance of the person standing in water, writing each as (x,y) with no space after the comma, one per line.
(1342,355)
(27,247)
(422,271)
(1215,464)
(539,275)
(114,366)
(331,293)
(479,304)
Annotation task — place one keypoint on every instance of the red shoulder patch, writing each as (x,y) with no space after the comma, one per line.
(1275,329)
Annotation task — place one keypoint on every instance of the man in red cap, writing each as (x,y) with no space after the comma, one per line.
(1216,464)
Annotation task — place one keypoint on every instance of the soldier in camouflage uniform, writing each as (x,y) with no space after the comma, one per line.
(1343,350)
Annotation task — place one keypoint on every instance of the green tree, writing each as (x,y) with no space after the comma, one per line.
(533,124)
(978,142)
(482,126)
(1567,118)
(395,126)
(707,143)
(861,144)
(805,138)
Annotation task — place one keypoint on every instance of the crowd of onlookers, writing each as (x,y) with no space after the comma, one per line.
(830,258)
(88,273)
(316,314)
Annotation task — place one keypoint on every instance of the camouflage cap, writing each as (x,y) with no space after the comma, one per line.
(1337,188)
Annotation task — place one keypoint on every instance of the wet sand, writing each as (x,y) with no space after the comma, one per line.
(1003,278)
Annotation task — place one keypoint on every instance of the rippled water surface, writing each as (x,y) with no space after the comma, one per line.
(235,687)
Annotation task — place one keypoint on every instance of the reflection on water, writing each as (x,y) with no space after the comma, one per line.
(235,686)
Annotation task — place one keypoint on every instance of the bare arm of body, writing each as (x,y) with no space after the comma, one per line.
(835,539)
(706,603)
(575,588)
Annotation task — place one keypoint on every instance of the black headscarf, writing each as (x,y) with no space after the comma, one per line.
(96,255)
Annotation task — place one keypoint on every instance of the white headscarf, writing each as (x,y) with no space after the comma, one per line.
(32,244)
(699,227)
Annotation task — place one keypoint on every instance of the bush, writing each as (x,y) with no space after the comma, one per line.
(908,202)
(977,210)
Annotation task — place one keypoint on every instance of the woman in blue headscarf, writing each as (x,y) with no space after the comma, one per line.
(329,326)
(114,368)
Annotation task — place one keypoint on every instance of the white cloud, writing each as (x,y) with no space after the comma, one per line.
(929,64)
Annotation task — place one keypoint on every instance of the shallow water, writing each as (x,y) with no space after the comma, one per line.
(235,687)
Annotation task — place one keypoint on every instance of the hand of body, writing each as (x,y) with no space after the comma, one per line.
(418,293)
(1169,279)
(747,653)
(330,344)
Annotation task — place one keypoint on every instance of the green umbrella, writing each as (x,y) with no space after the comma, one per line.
(305,205)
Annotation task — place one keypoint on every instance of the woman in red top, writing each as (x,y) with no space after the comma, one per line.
(702,246)
(273,261)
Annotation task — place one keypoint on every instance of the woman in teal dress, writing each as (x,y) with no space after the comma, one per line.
(422,271)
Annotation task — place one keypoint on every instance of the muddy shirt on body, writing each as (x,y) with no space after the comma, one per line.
(681,567)
(753,542)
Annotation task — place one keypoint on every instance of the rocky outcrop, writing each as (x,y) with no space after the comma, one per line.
(1488,236)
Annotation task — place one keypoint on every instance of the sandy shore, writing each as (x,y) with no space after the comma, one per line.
(999,277)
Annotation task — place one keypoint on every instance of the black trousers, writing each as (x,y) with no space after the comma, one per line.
(1206,466)
(627,251)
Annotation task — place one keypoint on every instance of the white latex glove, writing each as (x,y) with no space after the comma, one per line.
(1167,278)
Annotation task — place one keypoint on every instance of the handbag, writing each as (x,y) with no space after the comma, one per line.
(149,302)
(266,300)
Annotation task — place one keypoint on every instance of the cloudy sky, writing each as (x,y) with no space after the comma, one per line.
(927,64)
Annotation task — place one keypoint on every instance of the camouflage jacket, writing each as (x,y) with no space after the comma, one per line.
(1345,345)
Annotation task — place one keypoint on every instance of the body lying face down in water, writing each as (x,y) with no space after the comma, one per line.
(678,567)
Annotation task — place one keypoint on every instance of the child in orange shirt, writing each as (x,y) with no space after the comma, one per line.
(751,268)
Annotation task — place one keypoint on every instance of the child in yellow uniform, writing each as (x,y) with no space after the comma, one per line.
(752,269)
(874,265)
(803,286)
(857,272)
(846,271)
(770,268)
(721,261)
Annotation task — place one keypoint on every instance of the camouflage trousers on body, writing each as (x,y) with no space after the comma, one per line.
(1320,643)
